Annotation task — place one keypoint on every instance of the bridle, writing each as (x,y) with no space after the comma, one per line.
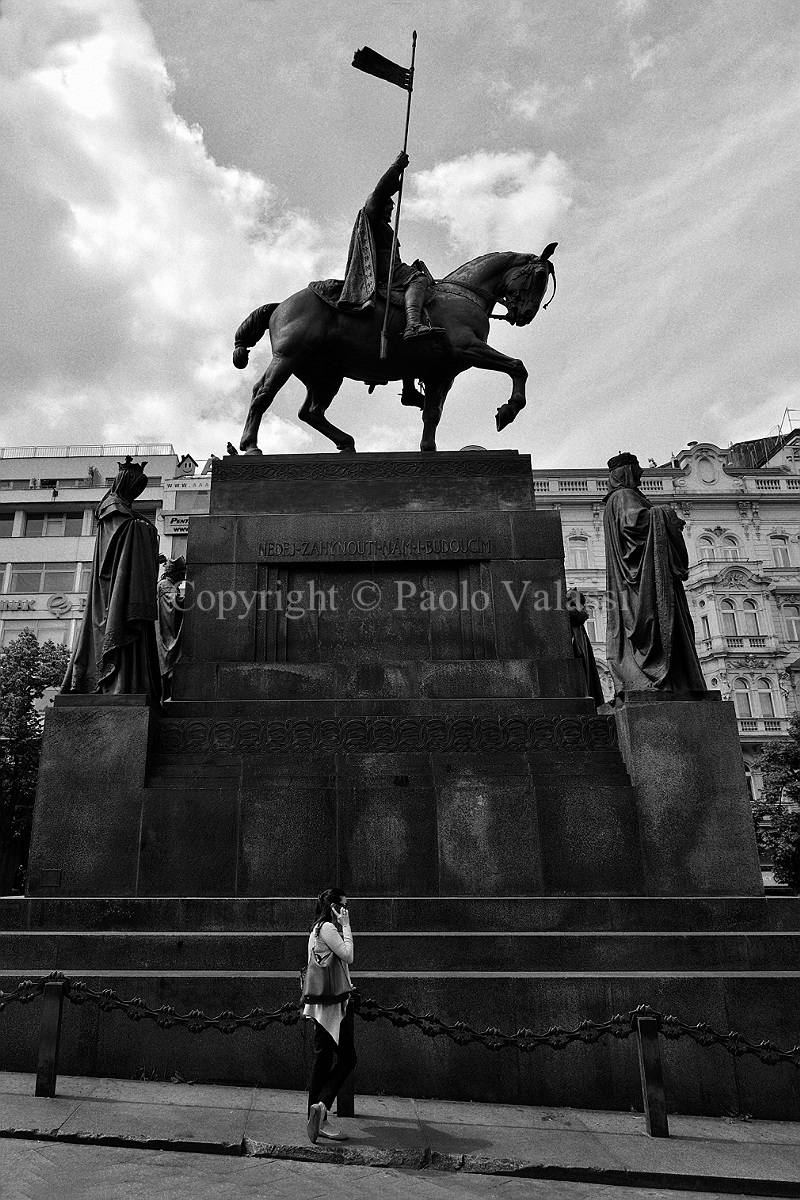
(523,280)
(520,280)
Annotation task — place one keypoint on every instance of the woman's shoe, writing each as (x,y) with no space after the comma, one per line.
(316,1115)
(331,1133)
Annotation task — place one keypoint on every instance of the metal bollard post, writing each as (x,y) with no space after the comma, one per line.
(652,1077)
(346,1100)
(49,1037)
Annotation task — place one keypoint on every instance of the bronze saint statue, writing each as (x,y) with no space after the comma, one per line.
(332,329)
(171,592)
(115,652)
(581,646)
(650,636)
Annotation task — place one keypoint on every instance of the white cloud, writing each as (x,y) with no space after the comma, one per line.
(528,103)
(492,201)
(131,254)
(630,8)
(643,53)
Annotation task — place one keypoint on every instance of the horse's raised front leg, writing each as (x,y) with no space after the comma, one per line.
(435,395)
(321,392)
(478,354)
(264,393)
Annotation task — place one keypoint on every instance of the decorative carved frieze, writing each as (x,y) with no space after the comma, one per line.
(369,735)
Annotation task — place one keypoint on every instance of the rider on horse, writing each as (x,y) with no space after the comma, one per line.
(416,280)
(368,259)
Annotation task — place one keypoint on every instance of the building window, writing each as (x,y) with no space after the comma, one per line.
(791,615)
(591,623)
(730,548)
(59,632)
(85,577)
(705,627)
(578,553)
(42,577)
(54,631)
(766,699)
(780,551)
(65,483)
(705,549)
(750,611)
(9,485)
(741,699)
(12,630)
(152,481)
(53,524)
(729,624)
(6,524)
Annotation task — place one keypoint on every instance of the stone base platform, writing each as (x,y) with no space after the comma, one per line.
(515,962)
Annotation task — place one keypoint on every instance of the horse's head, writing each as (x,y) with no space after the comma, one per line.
(525,285)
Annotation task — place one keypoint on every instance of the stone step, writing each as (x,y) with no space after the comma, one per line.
(407,953)
(228,914)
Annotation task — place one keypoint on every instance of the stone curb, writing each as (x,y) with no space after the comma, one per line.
(427,1159)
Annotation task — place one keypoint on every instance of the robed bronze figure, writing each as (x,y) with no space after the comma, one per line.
(332,329)
(116,653)
(581,646)
(169,626)
(650,636)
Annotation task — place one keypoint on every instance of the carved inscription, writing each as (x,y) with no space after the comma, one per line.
(361,735)
(376,547)
(468,467)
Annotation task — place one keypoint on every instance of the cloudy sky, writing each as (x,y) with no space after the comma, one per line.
(167,165)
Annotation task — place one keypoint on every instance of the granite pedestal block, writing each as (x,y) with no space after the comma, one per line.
(695,818)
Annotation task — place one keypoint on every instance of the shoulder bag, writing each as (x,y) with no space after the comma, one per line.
(324,982)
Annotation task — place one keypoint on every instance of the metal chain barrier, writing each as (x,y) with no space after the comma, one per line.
(557,1037)
(643,1022)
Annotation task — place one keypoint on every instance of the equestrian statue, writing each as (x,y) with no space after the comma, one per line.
(331,330)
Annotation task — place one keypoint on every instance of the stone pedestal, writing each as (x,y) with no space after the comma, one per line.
(695,818)
(378,691)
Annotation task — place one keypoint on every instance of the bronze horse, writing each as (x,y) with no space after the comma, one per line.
(322,345)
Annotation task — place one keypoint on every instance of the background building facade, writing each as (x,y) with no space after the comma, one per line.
(741,506)
(48,497)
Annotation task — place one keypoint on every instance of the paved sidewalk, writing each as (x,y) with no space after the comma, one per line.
(702,1154)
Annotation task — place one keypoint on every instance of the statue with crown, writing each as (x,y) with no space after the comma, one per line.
(116,652)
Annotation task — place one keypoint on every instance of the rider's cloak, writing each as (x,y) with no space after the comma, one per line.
(357,291)
(361,285)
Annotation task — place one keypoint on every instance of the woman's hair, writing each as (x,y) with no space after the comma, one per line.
(325,902)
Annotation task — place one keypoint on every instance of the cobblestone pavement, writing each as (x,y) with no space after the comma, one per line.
(40,1171)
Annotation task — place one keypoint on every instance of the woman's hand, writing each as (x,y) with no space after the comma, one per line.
(342,916)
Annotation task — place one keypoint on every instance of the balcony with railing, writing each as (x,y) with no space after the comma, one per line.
(758,726)
(743,644)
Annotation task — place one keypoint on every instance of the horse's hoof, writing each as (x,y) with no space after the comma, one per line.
(241,357)
(505,415)
(250,450)
(347,449)
(427,447)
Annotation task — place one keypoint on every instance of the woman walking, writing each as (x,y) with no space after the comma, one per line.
(333,1021)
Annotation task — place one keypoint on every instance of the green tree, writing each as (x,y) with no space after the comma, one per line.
(27,668)
(778,816)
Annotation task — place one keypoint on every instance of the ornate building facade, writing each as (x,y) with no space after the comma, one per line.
(741,506)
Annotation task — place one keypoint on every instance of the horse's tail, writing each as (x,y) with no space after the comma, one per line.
(251,330)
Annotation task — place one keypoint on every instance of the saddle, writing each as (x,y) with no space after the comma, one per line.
(330,290)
